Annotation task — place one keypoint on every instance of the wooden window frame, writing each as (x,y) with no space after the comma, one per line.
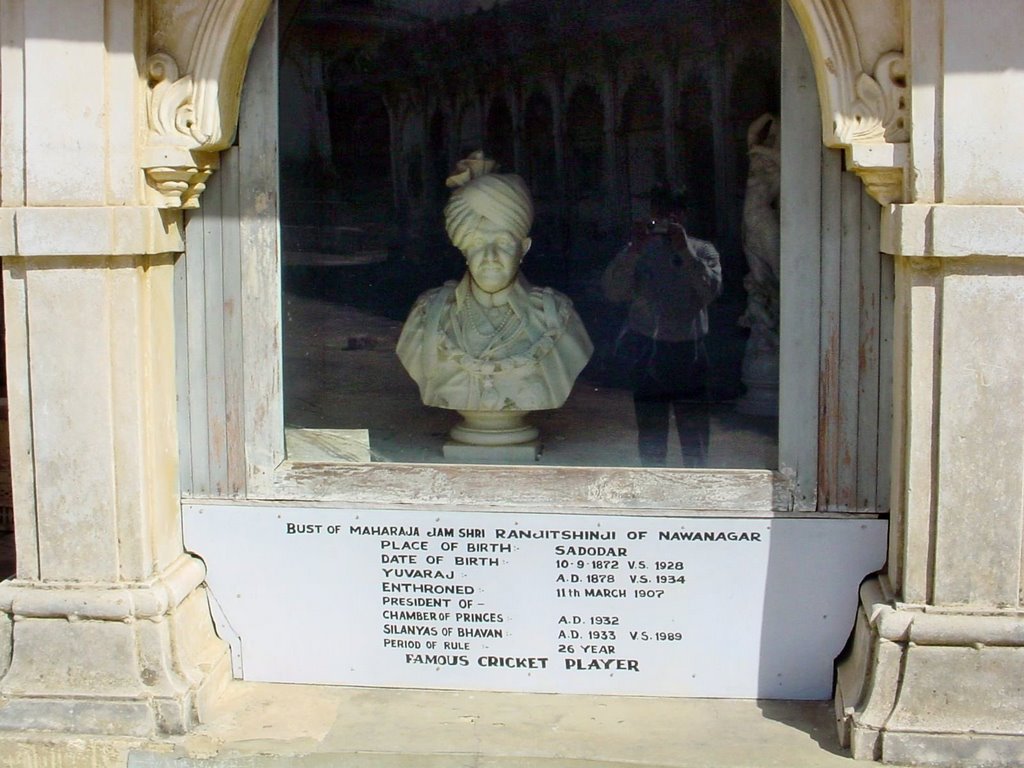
(231,419)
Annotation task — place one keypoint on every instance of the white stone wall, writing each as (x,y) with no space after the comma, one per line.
(96,153)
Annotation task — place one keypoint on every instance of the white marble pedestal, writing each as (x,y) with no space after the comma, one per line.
(493,437)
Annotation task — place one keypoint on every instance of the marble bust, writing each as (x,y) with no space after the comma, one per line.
(490,345)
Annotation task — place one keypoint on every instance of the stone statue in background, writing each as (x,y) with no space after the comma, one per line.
(492,346)
(760,237)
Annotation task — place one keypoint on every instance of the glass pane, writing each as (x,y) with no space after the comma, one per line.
(635,179)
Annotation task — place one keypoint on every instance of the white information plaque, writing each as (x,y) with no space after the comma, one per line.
(606,604)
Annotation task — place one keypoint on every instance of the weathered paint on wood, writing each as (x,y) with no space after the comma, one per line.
(208,330)
(214,223)
(851,257)
(231,310)
(801,268)
(222,275)
(829,394)
(835,387)
(181,375)
(869,352)
(261,268)
(886,391)
(854,347)
(195,351)
(538,488)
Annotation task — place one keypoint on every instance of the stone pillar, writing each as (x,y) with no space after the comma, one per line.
(614,219)
(106,627)
(516,107)
(724,160)
(454,107)
(935,672)
(397,115)
(669,121)
(936,668)
(555,89)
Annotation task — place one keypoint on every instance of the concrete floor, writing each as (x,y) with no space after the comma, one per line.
(257,725)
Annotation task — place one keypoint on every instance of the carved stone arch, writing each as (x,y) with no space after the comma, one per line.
(586,78)
(465,105)
(582,78)
(639,76)
(582,85)
(577,81)
(196,62)
(439,102)
(539,86)
(585,140)
(499,122)
(861,73)
(628,76)
(506,96)
(690,70)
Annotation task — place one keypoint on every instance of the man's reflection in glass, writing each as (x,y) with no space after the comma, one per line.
(669,279)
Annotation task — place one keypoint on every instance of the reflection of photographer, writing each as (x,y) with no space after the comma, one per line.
(669,279)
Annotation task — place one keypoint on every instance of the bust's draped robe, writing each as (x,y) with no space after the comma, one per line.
(521,358)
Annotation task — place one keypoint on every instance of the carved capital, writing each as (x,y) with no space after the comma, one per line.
(179,186)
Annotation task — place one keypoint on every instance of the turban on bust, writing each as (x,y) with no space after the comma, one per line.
(501,198)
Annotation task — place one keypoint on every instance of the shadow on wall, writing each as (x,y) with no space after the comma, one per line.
(805,551)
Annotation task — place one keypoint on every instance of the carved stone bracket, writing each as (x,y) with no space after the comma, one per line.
(180,185)
(862,112)
(175,165)
(880,166)
(193,112)
(879,111)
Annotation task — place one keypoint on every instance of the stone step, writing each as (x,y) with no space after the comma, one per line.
(259,725)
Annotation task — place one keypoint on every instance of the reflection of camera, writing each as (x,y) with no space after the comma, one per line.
(657,227)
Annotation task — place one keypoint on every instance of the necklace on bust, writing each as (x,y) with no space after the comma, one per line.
(484,320)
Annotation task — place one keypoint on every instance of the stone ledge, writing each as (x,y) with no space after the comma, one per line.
(117,601)
(89,231)
(953,231)
(925,625)
(260,725)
